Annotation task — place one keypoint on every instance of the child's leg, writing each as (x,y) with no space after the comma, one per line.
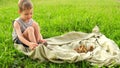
(38,36)
(29,34)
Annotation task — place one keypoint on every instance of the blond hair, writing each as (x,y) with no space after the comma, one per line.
(25,5)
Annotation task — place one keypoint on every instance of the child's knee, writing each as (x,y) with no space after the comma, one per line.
(30,29)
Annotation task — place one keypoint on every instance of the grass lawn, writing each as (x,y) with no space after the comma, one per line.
(57,17)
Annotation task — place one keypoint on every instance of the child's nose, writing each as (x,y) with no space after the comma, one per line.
(30,16)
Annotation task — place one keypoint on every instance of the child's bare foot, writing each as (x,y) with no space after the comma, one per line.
(45,43)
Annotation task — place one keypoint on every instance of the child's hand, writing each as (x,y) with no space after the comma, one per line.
(32,45)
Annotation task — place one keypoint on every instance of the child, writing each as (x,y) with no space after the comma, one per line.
(26,30)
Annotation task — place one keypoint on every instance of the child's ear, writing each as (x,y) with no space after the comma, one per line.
(19,11)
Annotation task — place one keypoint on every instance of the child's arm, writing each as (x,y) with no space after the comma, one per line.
(21,38)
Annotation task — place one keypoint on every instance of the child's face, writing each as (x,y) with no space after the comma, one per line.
(26,15)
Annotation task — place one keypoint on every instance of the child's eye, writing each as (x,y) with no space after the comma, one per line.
(26,14)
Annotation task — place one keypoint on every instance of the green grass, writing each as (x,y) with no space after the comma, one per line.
(57,17)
